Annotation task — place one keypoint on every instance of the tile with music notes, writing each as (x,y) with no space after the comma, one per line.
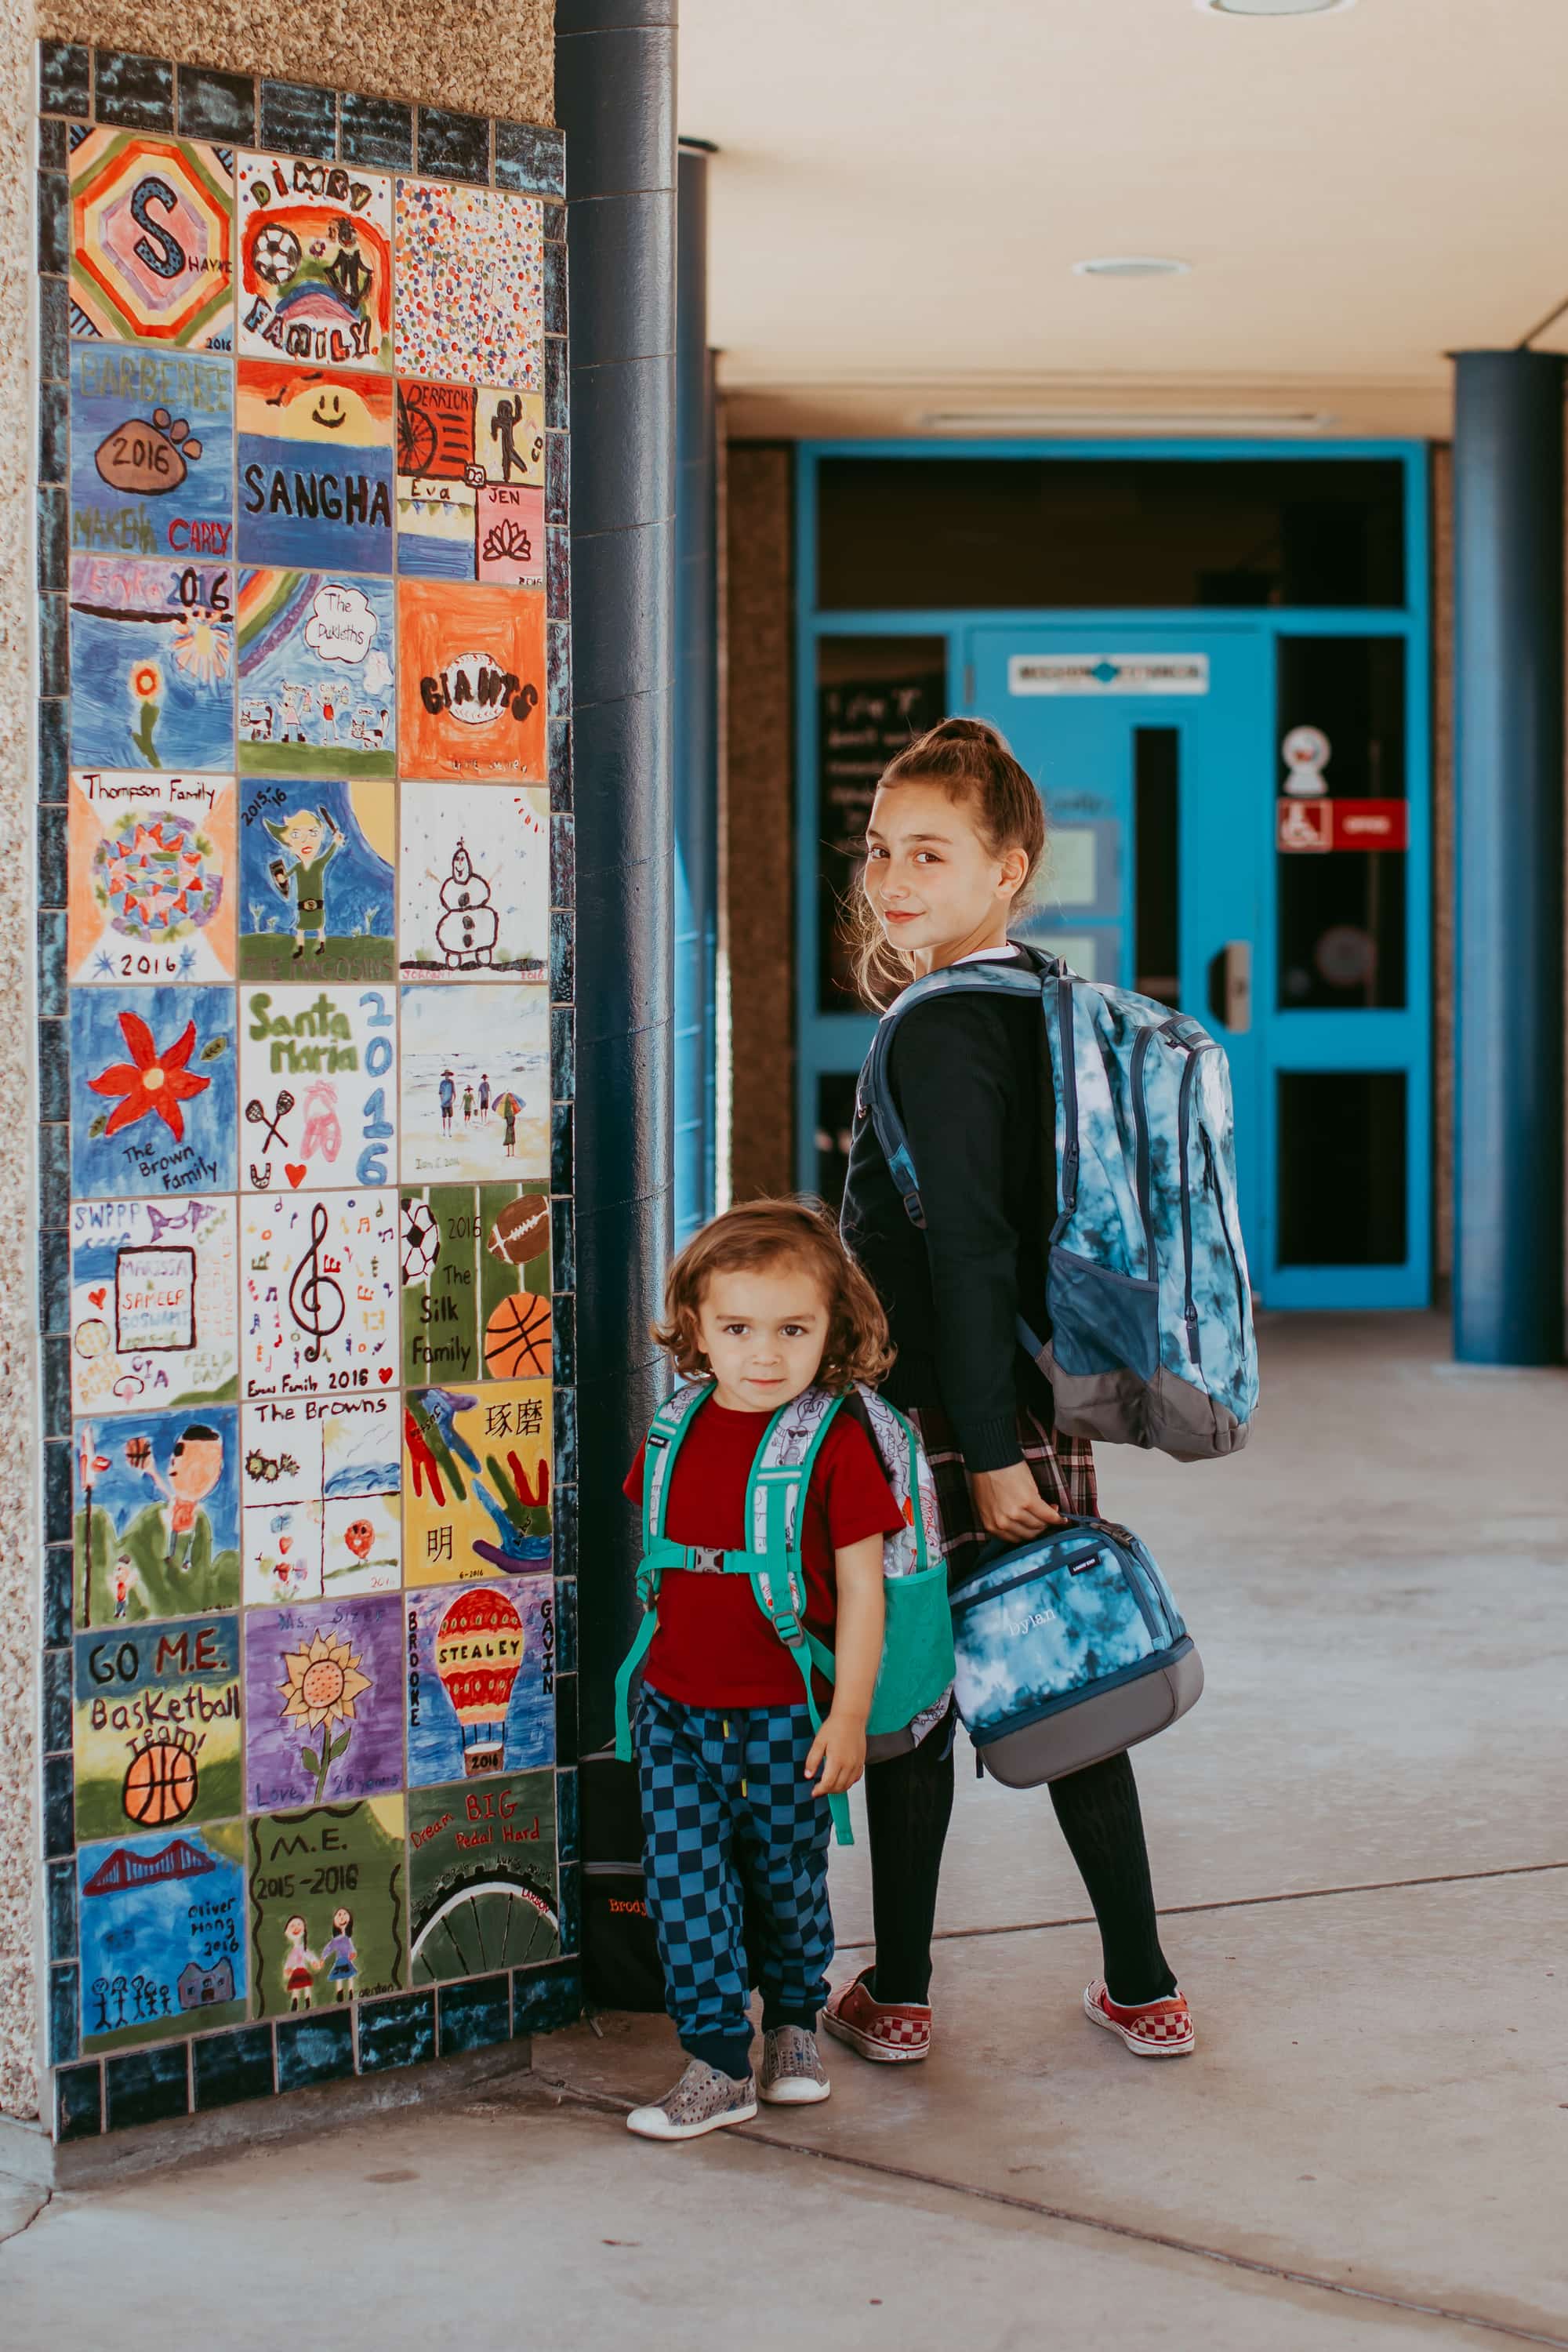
(319,1294)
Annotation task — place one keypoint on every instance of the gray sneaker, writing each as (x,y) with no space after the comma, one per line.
(702,2101)
(793,2072)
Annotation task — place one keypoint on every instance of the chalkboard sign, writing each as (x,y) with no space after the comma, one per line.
(860,726)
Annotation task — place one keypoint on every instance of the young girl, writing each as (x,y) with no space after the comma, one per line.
(956,834)
(765,1304)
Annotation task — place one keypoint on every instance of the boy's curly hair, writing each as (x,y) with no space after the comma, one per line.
(766,1233)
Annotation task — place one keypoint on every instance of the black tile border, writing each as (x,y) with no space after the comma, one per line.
(122,2089)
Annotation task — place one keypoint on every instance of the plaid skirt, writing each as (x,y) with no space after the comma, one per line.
(1062,1466)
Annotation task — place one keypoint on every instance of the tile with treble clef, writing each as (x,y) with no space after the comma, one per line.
(319,1294)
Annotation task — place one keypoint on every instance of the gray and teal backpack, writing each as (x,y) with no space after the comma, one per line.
(1150,1340)
(916,1674)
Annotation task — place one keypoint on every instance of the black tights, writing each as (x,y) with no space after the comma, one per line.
(909,1801)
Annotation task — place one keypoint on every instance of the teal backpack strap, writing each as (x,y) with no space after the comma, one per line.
(776,1493)
(672,1424)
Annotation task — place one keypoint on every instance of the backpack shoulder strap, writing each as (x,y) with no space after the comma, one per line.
(668,1433)
(897,1450)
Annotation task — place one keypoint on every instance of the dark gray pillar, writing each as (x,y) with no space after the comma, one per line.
(1509,681)
(696,707)
(615,95)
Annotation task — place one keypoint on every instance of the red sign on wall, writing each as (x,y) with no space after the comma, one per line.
(1324,824)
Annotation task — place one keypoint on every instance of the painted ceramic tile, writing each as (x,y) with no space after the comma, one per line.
(152,1091)
(320,1497)
(319,1294)
(436,526)
(156,1731)
(316,657)
(481,1678)
(471,285)
(508,434)
(476,1481)
(326,1907)
(319,1082)
(470,691)
(476,1284)
(162,1935)
(474,882)
(315,256)
(483,1890)
(152,1320)
(152,878)
(301,843)
(151,253)
(511,536)
(436,432)
(152,467)
(151,655)
(323,1702)
(315,467)
(457,1039)
(155,1516)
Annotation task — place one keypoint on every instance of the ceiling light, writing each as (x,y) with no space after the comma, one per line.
(1272,7)
(1131,265)
(1125,420)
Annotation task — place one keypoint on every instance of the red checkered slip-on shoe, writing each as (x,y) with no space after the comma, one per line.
(1158,2029)
(890,2032)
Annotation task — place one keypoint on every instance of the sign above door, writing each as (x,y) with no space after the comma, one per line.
(1107,674)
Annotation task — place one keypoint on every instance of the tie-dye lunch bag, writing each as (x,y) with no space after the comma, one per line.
(1069,1648)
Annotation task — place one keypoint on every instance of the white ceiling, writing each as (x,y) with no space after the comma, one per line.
(903,186)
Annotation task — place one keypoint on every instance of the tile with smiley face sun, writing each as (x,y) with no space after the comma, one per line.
(315,467)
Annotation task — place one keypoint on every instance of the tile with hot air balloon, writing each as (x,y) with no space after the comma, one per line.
(153,1092)
(476,1480)
(320,1507)
(328,1913)
(482,1679)
(483,1888)
(476,1283)
(156,1725)
(323,1690)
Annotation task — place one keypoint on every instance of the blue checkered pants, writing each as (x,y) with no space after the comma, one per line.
(735,1845)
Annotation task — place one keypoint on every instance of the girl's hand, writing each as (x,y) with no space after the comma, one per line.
(840,1751)
(1010,1504)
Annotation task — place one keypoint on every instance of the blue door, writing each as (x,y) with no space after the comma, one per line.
(1197,854)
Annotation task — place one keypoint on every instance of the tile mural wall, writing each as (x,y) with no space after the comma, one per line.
(306,942)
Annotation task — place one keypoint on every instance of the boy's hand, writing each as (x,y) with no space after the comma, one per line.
(838,1752)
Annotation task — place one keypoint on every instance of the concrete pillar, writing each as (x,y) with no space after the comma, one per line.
(696,709)
(614,94)
(1509,686)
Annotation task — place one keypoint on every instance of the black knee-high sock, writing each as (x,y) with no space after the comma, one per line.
(1100,1816)
(909,1803)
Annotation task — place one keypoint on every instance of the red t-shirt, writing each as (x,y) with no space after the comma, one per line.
(714,1647)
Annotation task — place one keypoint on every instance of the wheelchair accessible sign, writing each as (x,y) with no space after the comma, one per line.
(1107,674)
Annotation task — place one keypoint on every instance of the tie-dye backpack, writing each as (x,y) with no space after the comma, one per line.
(916,1673)
(1150,1340)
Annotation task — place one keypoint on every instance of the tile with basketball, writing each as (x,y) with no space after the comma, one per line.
(476,1480)
(318,1293)
(156,1725)
(320,1507)
(470,682)
(476,1284)
(161,1923)
(473,882)
(318,1073)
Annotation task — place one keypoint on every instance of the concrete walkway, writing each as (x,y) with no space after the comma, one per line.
(1360,1839)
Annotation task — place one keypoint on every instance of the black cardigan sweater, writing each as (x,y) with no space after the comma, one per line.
(968,1073)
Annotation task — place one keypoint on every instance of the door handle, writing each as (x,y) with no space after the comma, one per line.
(1230,986)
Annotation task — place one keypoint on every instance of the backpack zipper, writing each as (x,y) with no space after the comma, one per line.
(1075,1563)
(1224,1228)
(1184,1137)
(1141,1133)
(1069,1094)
